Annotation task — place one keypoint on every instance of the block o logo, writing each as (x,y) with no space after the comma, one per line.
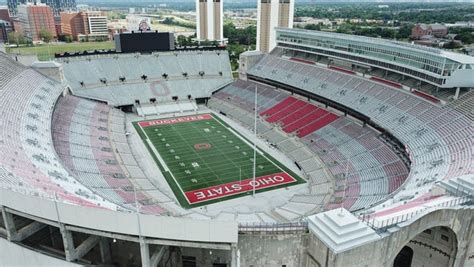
(202,146)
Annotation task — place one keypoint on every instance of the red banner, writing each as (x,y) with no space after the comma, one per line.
(237,187)
(175,120)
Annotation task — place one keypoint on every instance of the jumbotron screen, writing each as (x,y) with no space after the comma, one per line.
(144,42)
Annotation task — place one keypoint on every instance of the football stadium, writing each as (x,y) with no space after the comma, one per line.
(330,150)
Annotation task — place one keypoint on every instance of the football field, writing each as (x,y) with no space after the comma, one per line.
(205,161)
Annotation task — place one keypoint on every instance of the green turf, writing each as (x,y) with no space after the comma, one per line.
(46,51)
(229,159)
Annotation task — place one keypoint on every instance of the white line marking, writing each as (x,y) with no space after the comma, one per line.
(163,163)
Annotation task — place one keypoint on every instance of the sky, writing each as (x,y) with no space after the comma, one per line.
(3,2)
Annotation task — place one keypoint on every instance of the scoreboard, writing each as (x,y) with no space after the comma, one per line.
(148,41)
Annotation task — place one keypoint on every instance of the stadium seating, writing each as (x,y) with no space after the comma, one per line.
(81,138)
(80,154)
(193,73)
(27,156)
(8,72)
(438,139)
(339,142)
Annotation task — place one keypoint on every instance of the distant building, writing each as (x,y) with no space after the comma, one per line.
(5,28)
(13,6)
(72,23)
(436,30)
(5,14)
(97,25)
(6,23)
(271,14)
(34,18)
(88,25)
(137,23)
(56,5)
(209,20)
(461,24)
(59,6)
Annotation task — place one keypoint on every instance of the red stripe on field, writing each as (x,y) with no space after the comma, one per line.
(232,188)
(175,120)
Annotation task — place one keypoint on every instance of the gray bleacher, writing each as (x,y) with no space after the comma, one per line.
(92,70)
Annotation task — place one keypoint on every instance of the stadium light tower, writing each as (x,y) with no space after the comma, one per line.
(255,142)
(271,14)
(345,185)
(143,245)
(210,20)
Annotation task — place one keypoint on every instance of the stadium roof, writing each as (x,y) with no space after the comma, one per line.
(463,59)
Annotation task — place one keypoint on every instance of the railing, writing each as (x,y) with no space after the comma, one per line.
(387,223)
(430,247)
(274,228)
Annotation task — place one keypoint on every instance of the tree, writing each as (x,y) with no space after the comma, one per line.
(68,39)
(245,36)
(45,35)
(16,38)
(65,38)
(314,27)
(452,45)
(465,37)
(404,32)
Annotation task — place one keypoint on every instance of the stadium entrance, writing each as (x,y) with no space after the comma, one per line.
(436,246)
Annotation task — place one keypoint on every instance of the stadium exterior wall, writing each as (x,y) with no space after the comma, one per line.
(161,227)
(12,254)
(384,251)
(273,249)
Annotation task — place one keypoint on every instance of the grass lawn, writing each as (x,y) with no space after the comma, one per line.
(170,28)
(46,52)
(205,161)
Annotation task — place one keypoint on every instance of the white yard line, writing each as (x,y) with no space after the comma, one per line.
(163,163)
(258,149)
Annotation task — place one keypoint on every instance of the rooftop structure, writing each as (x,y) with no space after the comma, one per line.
(438,67)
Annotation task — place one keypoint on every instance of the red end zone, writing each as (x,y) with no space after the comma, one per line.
(175,120)
(229,189)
